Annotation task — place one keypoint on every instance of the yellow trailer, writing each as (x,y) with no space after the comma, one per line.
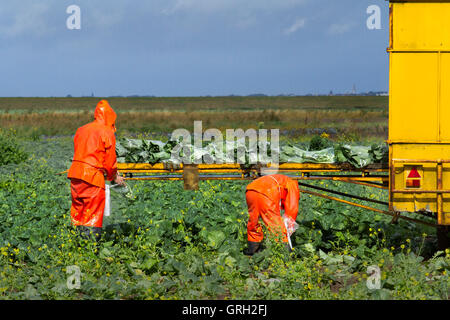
(419,108)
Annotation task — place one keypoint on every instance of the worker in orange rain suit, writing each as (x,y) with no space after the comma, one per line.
(266,196)
(94,158)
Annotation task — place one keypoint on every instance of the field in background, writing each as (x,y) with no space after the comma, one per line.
(350,117)
(162,242)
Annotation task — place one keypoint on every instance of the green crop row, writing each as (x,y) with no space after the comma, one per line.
(167,243)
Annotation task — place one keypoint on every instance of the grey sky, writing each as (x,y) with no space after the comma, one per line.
(191,47)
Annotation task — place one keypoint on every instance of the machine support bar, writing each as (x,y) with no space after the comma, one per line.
(414,161)
(369,208)
(367,184)
(440,207)
(345,179)
(392,182)
(422,191)
(343,194)
(190,177)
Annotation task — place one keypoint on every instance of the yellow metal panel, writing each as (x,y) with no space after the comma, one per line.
(419,104)
(140,166)
(421,25)
(445,98)
(428,171)
(413,108)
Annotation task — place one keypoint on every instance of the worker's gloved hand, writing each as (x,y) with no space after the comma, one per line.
(119,180)
(290,224)
(252,248)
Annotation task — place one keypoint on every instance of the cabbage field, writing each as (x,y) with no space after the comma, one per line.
(320,150)
(162,242)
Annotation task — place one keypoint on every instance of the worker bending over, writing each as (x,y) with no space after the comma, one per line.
(94,158)
(266,196)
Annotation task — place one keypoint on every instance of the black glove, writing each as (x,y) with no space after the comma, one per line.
(252,248)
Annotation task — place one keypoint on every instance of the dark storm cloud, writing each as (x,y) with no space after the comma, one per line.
(191,47)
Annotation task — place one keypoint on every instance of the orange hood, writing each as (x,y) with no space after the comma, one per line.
(104,114)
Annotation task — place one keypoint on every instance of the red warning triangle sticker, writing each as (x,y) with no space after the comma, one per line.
(414,173)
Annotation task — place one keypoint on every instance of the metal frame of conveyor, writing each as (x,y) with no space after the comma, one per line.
(375,175)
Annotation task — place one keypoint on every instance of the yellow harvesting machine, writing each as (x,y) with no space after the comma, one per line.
(419,107)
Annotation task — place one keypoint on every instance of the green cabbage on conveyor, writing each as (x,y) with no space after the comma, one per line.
(154,151)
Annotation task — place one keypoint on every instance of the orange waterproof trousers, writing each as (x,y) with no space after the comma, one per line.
(88,204)
(261,206)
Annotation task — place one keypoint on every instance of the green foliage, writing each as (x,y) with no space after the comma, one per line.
(379,153)
(10,150)
(167,243)
(319,143)
(321,151)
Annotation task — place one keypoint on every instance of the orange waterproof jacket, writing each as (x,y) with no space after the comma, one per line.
(279,187)
(95,148)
